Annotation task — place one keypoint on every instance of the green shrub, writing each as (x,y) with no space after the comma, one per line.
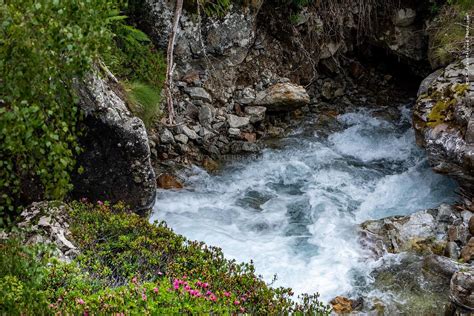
(118,245)
(23,272)
(44,46)
(128,265)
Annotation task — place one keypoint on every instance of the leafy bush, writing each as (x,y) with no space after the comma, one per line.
(44,46)
(128,265)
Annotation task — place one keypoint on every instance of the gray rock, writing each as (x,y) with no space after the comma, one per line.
(256,113)
(462,288)
(421,231)
(189,132)
(237,121)
(46,223)
(283,97)
(234,131)
(441,265)
(198,93)
(166,137)
(205,115)
(116,152)
(183,139)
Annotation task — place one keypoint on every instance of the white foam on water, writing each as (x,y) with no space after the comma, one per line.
(295,211)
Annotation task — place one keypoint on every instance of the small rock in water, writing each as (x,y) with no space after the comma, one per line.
(341,304)
(168,181)
(210,164)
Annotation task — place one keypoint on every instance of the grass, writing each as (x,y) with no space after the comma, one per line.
(144,101)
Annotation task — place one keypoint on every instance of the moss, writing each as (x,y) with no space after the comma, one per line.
(445,100)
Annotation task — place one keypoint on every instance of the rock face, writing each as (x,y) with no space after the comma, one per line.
(116,155)
(283,97)
(444,122)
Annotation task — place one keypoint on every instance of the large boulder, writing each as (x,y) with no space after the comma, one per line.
(283,97)
(115,160)
(444,122)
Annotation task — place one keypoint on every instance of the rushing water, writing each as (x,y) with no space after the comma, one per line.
(295,209)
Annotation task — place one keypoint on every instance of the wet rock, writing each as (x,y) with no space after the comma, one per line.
(116,152)
(467,252)
(168,181)
(166,136)
(404,17)
(210,164)
(283,97)
(342,305)
(451,250)
(471,224)
(237,121)
(276,131)
(441,265)
(198,93)
(423,231)
(443,116)
(256,113)
(462,288)
(183,139)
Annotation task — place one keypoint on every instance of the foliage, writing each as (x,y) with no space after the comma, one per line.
(144,101)
(44,46)
(447,34)
(131,266)
(22,275)
(133,57)
(215,7)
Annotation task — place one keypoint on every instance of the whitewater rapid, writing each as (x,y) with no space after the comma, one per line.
(295,209)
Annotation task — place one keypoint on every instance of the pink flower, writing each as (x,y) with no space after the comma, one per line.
(226,294)
(204,285)
(187,288)
(198,283)
(100,203)
(160,273)
(134,280)
(213,298)
(242,309)
(208,293)
(236,302)
(155,290)
(80,301)
(144,297)
(176,284)
(86,313)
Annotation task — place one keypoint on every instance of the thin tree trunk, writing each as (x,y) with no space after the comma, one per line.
(170,63)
